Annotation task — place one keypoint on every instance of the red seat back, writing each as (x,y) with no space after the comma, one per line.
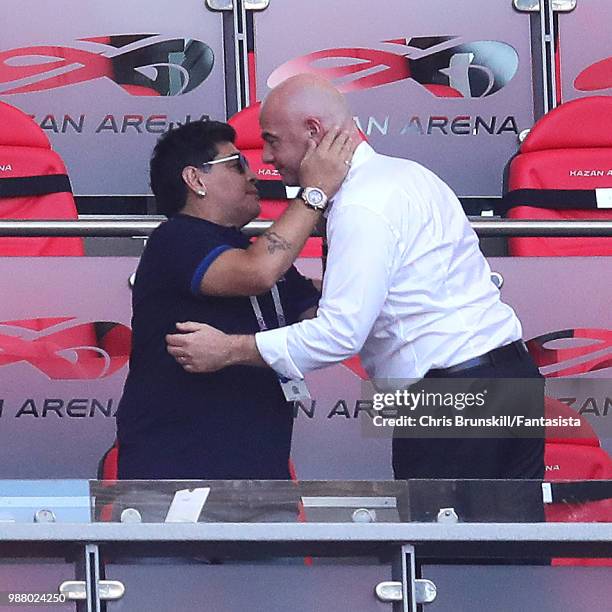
(25,151)
(568,148)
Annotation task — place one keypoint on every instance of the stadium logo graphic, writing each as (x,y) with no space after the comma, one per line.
(596,77)
(592,351)
(141,64)
(444,65)
(64,349)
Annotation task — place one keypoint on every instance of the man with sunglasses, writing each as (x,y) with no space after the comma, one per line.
(198,266)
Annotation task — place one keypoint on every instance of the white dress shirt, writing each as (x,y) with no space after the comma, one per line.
(406,285)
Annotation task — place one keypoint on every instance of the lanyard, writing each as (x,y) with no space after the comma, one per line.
(293,390)
(280,315)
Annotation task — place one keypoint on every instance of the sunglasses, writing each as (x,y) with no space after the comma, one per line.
(243,163)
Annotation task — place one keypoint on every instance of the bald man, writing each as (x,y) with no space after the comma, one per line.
(406,287)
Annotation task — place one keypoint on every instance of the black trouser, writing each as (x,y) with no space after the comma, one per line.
(513,457)
(480,457)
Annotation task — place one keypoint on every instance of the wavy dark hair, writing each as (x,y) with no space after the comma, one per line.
(192,144)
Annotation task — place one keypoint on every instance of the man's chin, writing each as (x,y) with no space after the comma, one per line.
(290,180)
(254,213)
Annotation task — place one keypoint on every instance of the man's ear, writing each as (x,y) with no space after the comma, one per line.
(193,179)
(315,129)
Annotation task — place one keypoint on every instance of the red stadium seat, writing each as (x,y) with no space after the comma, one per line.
(575,454)
(108,471)
(33,185)
(563,160)
(109,464)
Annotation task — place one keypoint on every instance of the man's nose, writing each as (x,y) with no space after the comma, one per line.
(251,176)
(266,155)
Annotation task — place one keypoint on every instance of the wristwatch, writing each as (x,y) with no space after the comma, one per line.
(314,198)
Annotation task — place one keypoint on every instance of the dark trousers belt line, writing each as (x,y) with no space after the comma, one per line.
(503,353)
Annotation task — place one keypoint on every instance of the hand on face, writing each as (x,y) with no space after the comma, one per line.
(326,165)
(198,347)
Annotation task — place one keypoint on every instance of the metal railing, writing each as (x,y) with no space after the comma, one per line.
(117,227)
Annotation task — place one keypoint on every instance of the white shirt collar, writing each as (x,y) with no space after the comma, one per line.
(362,153)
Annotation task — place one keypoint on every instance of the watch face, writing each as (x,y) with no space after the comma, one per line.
(315,196)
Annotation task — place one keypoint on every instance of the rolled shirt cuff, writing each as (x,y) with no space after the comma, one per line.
(272,346)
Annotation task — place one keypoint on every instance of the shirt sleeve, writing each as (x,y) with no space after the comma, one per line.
(186,253)
(360,264)
(203,266)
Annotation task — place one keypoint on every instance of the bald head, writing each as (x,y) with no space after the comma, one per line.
(307,96)
(300,110)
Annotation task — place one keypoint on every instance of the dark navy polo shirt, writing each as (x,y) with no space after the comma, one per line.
(231,424)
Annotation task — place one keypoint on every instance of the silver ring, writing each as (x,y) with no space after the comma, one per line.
(347,163)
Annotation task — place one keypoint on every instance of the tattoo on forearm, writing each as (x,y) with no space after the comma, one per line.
(276,242)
